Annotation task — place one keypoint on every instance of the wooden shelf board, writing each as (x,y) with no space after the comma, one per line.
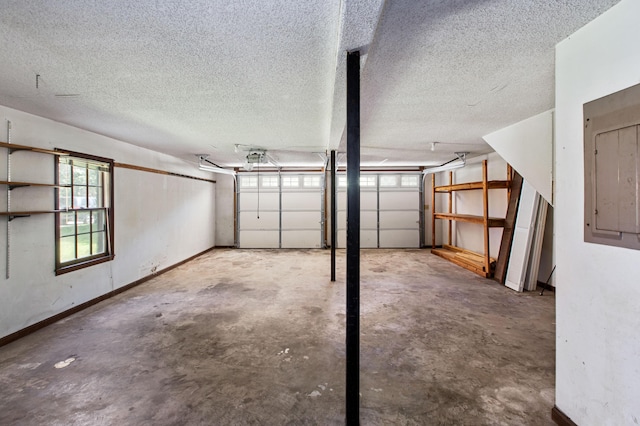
(493,222)
(29,213)
(31,148)
(492,184)
(19,184)
(465,258)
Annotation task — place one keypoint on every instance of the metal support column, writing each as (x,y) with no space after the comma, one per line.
(334,209)
(353,240)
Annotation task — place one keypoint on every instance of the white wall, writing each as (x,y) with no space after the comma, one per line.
(468,235)
(159,221)
(528,147)
(225,232)
(598,291)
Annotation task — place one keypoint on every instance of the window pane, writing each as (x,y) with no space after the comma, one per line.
(270,181)
(67,248)
(97,221)
(64,198)
(388,180)
(409,181)
(312,181)
(79,175)
(367,181)
(80,197)
(84,222)
(342,181)
(94,177)
(95,197)
(249,181)
(97,243)
(67,224)
(290,181)
(64,172)
(84,245)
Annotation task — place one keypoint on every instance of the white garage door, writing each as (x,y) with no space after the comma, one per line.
(289,207)
(389,210)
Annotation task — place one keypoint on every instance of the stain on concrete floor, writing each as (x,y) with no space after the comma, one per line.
(257,337)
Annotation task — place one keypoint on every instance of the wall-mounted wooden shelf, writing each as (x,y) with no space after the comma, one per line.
(15,147)
(15,215)
(13,184)
(480,263)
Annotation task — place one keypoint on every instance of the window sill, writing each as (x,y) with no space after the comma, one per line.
(85,264)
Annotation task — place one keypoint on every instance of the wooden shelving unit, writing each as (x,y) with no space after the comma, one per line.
(11,185)
(481,263)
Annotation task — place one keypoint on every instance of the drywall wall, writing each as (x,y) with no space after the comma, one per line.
(468,235)
(225,232)
(160,220)
(528,147)
(598,296)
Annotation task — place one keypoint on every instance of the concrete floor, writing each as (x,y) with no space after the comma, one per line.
(257,337)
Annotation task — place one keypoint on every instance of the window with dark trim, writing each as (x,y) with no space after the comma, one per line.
(84,223)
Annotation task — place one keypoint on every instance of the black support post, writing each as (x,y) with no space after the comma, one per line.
(334,227)
(353,240)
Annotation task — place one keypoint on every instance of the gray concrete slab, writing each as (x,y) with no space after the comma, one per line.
(257,337)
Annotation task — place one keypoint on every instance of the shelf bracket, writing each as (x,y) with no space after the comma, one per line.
(16,216)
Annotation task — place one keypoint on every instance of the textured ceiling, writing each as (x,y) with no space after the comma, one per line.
(203,76)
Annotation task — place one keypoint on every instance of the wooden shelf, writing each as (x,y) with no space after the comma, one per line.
(16,147)
(470,260)
(14,184)
(481,264)
(492,184)
(13,215)
(492,222)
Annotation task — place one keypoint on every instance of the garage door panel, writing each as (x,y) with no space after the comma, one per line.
(301,239)
(301,200)
(259,239)
(368,239)
(399,239)
(399,220)
(268,201)
(399,200)
(368,220)
(368,200)
(268,220)
(300,220)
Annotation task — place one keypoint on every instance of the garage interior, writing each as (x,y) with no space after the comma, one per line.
(169,231)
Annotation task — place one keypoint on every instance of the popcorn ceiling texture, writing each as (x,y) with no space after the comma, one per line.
(201,76)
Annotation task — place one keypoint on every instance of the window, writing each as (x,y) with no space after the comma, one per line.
(312,181)
(409,181)
(290,181)
(342,181)
(270,181)
(249,181)
(388,180)
(84,230)
(369,180)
